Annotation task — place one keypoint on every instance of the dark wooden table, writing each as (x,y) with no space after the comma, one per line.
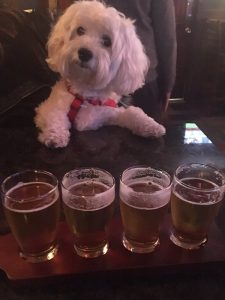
(170,273)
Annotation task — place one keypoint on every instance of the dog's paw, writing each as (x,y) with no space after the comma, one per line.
(153,129)
(53,139)
(141,124)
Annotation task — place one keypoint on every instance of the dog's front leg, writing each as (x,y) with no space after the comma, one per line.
(92,117)
(137,121)
(53,124)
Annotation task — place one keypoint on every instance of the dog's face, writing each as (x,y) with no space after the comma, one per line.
(97,48)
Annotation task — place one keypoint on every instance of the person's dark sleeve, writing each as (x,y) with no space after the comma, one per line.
(164,26)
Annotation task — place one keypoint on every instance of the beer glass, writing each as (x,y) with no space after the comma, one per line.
(32,209)
(88,200)
(196,197)
(144,197)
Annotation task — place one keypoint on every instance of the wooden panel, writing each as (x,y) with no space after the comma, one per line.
(208,62)
(62,4)
(183,45)
(180,10)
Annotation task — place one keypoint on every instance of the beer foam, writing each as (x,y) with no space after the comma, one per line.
(88,203)
(143,200)
(10,202)
(141,174)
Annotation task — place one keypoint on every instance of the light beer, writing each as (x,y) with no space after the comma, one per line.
(193,210)
(88,208)
(142,216)
(32,212)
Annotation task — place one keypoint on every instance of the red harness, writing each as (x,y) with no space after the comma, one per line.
(78,101)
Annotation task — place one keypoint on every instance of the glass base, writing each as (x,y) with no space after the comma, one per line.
(137,247)
(187,243)
(42,256)
(92,252)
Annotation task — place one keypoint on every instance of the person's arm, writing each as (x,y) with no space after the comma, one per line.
(164,26)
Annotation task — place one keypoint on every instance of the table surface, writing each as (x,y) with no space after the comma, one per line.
(114,149)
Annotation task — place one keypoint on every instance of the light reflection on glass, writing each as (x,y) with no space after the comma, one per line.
(193,135)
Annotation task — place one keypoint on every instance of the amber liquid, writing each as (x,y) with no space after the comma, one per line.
(34,222)
(88,224)
(193,211)
(141,224)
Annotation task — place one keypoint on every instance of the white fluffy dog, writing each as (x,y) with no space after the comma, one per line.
(96,51)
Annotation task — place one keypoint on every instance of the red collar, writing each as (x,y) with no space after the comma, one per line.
(78,101)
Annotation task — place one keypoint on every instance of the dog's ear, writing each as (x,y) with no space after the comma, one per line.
(55,42)
(59,37)
(134,61)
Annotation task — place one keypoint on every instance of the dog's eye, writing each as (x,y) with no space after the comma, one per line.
(106,41)
(80,30)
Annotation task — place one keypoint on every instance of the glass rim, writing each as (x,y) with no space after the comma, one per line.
(151,168)
(89,168)
(31,199)
(212,167)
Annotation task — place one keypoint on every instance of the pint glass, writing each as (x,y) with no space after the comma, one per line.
(196,197)
(88,200)
(31,205)
(144,197)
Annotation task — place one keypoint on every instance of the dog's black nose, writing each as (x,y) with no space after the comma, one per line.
(84,54)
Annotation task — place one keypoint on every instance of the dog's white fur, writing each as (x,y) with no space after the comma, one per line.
(113,70)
